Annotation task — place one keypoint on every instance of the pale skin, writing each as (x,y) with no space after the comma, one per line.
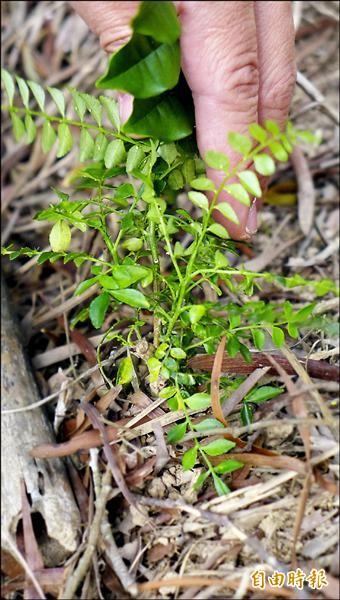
(238,58)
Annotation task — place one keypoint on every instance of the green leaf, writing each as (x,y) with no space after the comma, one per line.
(198,401)
(48,137)
(264,164)
(18,127)
(219,230)
(278,151)
(78,103)
(240,143)
(196,313)
(24,91)
(221,260)
(272,127)
(31,130)
(125,371)
(38,93)
(58,98)
(188,170)
(278,336)
(93,106)
(163,117)
(245,353)
(100,145)
(84,285)
(143,68)
(86,145)
(236,190)
(251,183)
(258,133)
(233,346)
(168,152)
(158,20)
(259,338)
(134,158)
(131,297)
(217,447)
(189,459)
(199,200)
(263,393)
(175,180)
(9,85)
(228,466)
(246,414)
(220,487)
(112,111)
(65,140)
(98,309)
(203,183)
(207,424)
(177,353)
(154,366)
(176,433)
(303,313)
(60,237)
(200,480)
(167,392)
(309,137)
(293,330)
(228,212)
(133,244)
(216,160)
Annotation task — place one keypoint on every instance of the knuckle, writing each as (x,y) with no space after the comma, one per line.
(242,82)
(278,92)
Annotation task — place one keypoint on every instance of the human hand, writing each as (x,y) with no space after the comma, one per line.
(238,60)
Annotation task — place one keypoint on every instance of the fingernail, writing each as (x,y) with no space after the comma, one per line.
(251,225)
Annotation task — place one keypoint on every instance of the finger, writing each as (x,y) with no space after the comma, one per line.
(109,20)
(219,60)
(276,55)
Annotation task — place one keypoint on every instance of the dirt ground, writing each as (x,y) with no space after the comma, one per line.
(177,543)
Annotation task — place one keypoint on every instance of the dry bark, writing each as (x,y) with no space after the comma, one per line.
(46,481)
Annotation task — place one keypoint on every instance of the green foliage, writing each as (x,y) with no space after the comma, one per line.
(162,255)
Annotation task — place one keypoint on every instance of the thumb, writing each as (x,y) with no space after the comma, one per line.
(110,21)
(219,60)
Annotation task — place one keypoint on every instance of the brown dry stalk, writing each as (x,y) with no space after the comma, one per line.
(316,368)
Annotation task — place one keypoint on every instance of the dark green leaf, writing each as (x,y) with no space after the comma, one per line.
(217,447)
(189,459)
(233,346)
(84,285)
(143,68)
(176,433)
(200,480)
(246,414)
(168,152)
(134,158)
(98,309)
(175,180)
(158,20)
(162,117)
(263,393)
